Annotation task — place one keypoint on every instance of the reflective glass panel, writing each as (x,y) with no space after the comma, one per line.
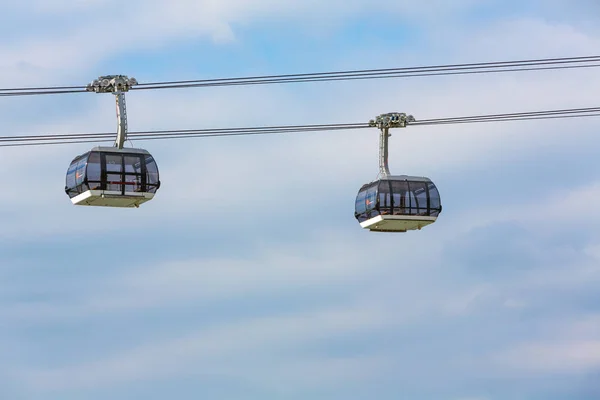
(133,183)
(70,181)
(133,164)
(412,204)
(400,197)
(385,197)
(113,182)
(113,163)
(94,171)
(80,171)
(151,171)
(360,206)
(434,197)
(419,190)
(371,200)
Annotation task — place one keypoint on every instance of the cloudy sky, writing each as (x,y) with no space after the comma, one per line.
(247,277)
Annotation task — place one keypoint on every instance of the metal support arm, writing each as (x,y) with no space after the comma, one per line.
(117,85)
(384,122)
(121,120)
(383,152)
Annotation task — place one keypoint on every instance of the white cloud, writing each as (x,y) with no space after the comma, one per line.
(567,208)
(566,345)
(275,271)
(89,36)
(535,36)
(552,356)
(204,351)
(462,303)
(315,172)
(593,251)
(335,259)
(514,303)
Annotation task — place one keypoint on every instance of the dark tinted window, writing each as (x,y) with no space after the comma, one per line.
(412,204)
(434,196)
(70,182)
(76,176)
(371,199)
(400,197)
(419,190)
(360,206)
(385,196)
(133,164)
(133,173)
(113,182)
(434,200)
(113,163)
(93,171)
(80,171)
(133,183)
(152,178)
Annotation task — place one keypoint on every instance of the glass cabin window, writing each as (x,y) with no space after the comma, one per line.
(371,200)
(152,181)
(360,206)
(75,179)
(413,206)
(80,171)
(133,183)
(133,173)
(419,190)
(114,163)
(113,182)
(133,164)
(385,197)
(434,200)
(70,182)
(94,172)
(400,197)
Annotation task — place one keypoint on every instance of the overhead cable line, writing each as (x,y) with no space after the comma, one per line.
(404,72)
(205,132)
(34,140)
(547,114)
(360,75)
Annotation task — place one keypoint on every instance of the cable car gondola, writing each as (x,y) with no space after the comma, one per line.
(396,203)
(113,176)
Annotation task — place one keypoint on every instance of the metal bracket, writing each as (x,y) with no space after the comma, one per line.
(383,152)
(111,84)
(121,120)
(117,85)
(392,120)
(384,122)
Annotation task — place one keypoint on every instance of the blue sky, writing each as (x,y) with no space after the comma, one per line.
(247,276)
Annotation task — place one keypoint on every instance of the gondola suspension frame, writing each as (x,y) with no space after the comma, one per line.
(384,122)
(117,85)
(393,217)
(140,176)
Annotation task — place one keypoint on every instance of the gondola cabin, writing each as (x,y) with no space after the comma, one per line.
(397,204)
(112,177)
